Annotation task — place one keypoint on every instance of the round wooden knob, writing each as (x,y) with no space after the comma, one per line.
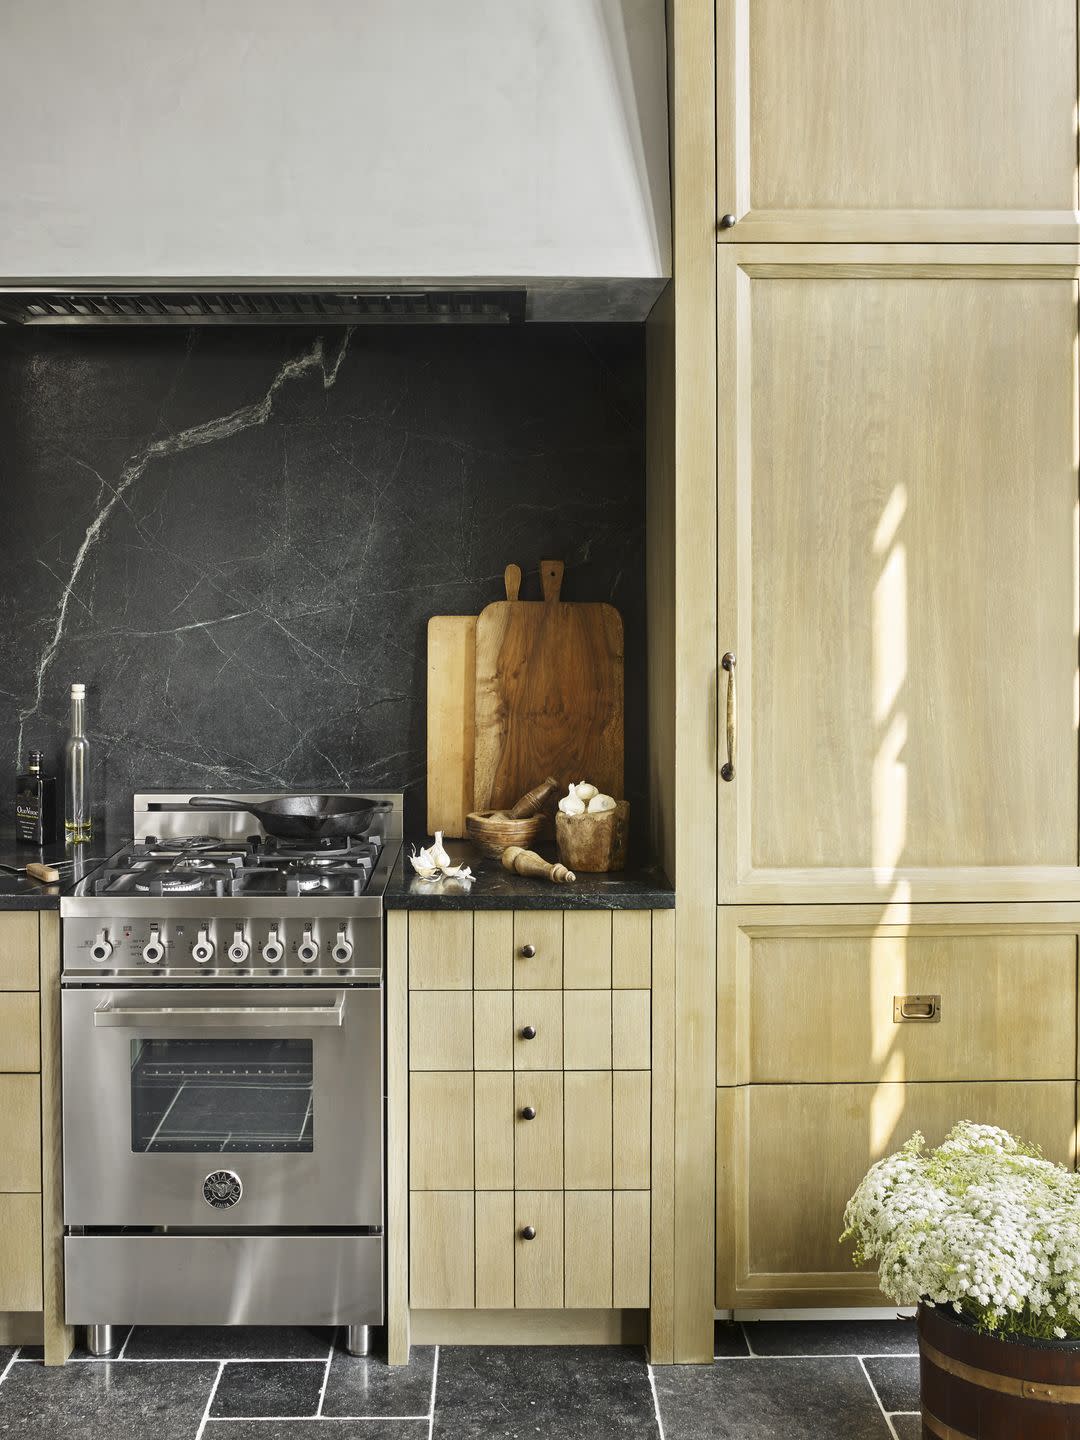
(528,1032)
(528,1232)
(528,951)
(528,1112)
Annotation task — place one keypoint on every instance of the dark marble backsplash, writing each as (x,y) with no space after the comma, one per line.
(235,537)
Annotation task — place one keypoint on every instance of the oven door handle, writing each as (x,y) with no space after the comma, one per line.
(221,1017)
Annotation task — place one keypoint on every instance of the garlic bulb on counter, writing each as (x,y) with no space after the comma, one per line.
(572,803)
(433,863)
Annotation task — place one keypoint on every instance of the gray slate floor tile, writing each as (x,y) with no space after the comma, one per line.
(728,1339)
(360,1386)
(775,1399)
(832,1337)
(316,1430)
(896,1381)
(908,1427)
(269,1389)
(80,1352)
(558,1393)
(6,1352)
(228,1342)
(111,1401)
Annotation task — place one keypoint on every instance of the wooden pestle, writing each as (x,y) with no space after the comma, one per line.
(535,799)
(527,862)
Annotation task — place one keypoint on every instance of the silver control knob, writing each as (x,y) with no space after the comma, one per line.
(154,951)
(239,950)
(202,952)
(343,949)
(307,952)
(102,947)
(273,951)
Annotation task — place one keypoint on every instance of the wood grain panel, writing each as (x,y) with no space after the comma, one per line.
(58,1338)
(440,950)
(398,1341)
(860,428)
(587,1222)
(538,1263)
(451,738)
(20,1252)
(441,1030)
(493,1030)
(19,951)
(631,949)
(829,125)
(20,1133)
(662,1166)
(538,1143)
(442,1254)
(630,1246)
(493,949)
(800,1151)
(587,1129)
(20,1038)
(587,949)
(542,1010)
(494,1137)
(543,930)
(587,1029)
(630,1129)
(630,1029)
(441,1130)
(494,1249)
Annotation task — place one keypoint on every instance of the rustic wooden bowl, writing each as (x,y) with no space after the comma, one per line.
(492,835)
(594,843)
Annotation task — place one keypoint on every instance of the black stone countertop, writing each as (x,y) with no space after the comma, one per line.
(641,887)
(19,893)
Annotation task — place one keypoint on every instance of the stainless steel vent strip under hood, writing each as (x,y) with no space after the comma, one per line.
(261,306)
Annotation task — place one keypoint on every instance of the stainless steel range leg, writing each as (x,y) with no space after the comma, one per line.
(358,1340)
(102,1339)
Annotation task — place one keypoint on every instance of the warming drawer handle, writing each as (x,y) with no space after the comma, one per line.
(219,1017)
(925,1008)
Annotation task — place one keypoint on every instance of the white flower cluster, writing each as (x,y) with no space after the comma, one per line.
(983,1223)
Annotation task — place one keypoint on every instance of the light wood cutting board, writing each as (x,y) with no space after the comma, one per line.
(549,695)
(451,701)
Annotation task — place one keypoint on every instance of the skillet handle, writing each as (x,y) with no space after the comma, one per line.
(212,802)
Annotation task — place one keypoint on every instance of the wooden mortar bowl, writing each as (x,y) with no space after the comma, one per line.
(492,835)
(594,843)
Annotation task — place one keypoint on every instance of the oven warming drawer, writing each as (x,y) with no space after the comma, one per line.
(223,1279)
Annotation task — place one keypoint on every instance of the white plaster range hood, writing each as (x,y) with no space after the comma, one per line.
(223,161)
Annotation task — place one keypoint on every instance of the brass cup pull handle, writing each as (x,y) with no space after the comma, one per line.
(528,1112)
(528,1232)
(727,770)
(528,951)
(528,1032)
(925,1008)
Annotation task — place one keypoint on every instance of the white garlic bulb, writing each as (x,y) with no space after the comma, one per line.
(438,853)
(423,864)
(572,803)
(585,791)
(599,803)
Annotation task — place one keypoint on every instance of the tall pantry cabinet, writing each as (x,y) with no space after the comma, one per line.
(897,600)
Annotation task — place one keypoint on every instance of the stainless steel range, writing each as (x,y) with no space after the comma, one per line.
(223,1070)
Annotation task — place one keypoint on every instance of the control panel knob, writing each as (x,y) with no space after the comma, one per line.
(202,952)
(153,951)
(342,951)
(307,952)
(273,951)
(239,950)
(102,947)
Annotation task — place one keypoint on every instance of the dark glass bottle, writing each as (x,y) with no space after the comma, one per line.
(35,805)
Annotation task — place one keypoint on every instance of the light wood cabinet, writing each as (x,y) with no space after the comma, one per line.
(897,120)
(791,1156)
(898,572)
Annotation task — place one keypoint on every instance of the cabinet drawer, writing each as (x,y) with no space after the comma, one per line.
(538,1250)
(19,951)
(829,1000)
(538,949)
(538,1034)
(20,1252)
(440,950)
(20,1041)
(20,1133)
(441,1250)
(441,1030)
(790,1156)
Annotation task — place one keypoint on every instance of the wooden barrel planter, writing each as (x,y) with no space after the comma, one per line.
(974,1387)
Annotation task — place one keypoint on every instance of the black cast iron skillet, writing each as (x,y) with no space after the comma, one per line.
(303,817)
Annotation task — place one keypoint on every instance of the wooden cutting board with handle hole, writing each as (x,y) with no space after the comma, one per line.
(451,700)
(549,695)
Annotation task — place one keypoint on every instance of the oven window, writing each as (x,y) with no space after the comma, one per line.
(221,1096)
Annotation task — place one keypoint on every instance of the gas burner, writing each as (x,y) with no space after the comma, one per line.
(193,877)
(181,844)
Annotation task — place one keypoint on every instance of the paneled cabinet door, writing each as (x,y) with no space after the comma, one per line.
(897,119)
(898,572)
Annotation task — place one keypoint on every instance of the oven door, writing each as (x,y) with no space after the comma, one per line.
(223,1109)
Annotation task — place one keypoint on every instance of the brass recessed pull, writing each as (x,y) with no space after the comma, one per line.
(727,770)
(916,1007)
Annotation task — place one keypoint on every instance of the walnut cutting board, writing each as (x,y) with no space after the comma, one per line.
(549,695)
